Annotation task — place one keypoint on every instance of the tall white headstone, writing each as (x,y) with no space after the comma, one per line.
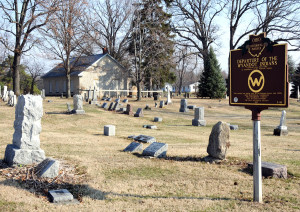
(169,101)
(25,148)
(5,93)
(0,92)
(282,128)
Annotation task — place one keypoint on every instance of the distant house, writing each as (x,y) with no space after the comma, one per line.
(190,88)
(99,72)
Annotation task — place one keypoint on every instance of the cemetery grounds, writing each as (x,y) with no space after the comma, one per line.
(104,178)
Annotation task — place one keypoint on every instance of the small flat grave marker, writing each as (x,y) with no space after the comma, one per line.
(125,101)
(156,149)
(134,147)
(144,139)
(47,168)
(157,119)
(109,130)
(110,106)
(60,196)
(233,127)
(150,127)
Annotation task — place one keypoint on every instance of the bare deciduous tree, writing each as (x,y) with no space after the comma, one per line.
(35,69)
(20,19)
(195,23)
(66,38)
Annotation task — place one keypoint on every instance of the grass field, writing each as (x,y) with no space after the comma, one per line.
(111,180)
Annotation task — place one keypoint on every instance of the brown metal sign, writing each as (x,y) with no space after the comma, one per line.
(258,74)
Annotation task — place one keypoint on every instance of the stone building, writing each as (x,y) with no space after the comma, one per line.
(99,72)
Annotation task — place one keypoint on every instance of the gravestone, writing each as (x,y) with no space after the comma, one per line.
(155,96)
(47,168)
(10,100)
(89,95)
(155,105)
(78,104)
(69,110)
(94,99)
(169,101)
(139,113)
(183,106)
(161,104)
(199,117)
(103,98)
(104,105)
(5,94)
(85,97)
(233,127)
(157,119)
(0,91)
(144,139)
(25,148)
(14,101)
(219,141)
(272,170)
(60,196)
(111,106)
(282,128)
(192,107)
(109,130)
(148,126)
(129,110)
(108,99)
(125,101)
(134,147)
(117,100)
(147,107)
(43,93)
(156,149)
(116,106)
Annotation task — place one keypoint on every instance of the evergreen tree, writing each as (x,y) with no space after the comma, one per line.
(212,84)
(296,82)
(151,45)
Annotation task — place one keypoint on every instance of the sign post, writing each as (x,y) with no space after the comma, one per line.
(258,80)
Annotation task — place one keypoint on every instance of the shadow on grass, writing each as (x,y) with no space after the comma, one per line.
(83,190)
(175,158)
(58,112)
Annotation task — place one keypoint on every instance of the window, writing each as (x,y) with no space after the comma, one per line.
(50,87)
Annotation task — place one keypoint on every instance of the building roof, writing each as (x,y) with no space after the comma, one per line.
(78,65)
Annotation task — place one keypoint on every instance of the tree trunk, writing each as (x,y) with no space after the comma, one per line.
(32,86)
(16,73)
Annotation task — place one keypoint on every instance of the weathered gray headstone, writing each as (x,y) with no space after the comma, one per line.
(282,128)
(47,168)
(156,150)
(148,126)
(78,104)
(110,108)
(134,147)
(94,99)
(219,141)
(139,113)
(104,105)
(155,105)
(108,99)
(147,107)
(60,196)
(157,119)
(10,99)
(199,117)
(183,106)
(272,170)
(129,110)
(192,107)
(25,148)
(69,110)
(144,139)
(109,130)
(0,91)
(161,104)
(125,101)
(233,127)
(117,100)
(116,106)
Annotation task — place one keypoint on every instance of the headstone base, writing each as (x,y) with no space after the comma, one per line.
(184,110)
(197,122)
(60,196)
(15,155)
(78,111)
(280,132)
(93,102)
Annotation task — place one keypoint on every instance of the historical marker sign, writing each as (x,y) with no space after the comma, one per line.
(258,74)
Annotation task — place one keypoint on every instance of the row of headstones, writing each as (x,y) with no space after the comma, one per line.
(8,96)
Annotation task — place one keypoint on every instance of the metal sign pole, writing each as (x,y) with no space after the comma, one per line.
(257,175)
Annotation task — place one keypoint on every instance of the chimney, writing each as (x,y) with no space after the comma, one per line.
(105,51)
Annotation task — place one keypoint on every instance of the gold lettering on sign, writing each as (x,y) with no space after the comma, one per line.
(256,82)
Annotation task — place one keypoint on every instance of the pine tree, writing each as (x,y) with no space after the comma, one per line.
(212,84)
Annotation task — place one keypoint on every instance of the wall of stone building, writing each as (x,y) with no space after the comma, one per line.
(104,75)
(55,86)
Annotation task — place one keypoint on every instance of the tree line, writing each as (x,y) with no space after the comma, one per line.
(158,41)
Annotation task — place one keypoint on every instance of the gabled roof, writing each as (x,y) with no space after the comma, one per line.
(78,65)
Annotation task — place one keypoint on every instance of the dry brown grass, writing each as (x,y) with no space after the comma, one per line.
(118,181)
